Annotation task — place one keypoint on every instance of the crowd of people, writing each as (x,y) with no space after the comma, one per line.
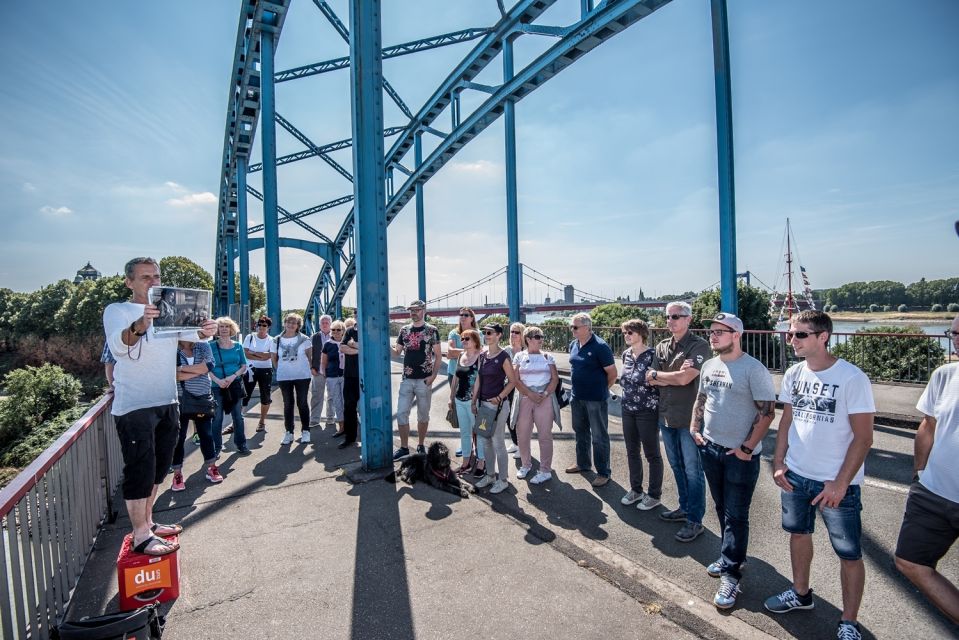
(710,403)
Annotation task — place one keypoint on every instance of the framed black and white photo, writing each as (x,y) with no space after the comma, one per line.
(180,309)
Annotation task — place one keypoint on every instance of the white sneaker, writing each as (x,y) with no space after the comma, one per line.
(523,472)
(648,502)
(512,449)
(499,486)
(516,455)
(484,482)
(541,477)
(305,437)
(632,497)
(287,438)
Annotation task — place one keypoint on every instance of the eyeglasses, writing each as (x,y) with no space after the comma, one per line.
(262,324)
(574,327)
(677,316)
(951,334)
(466,315)
(517,333)
(536,337)
(802,335)
(719,332)
(628,333)
(489,333)
(337,330)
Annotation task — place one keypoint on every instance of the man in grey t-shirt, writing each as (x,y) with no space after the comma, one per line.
(734,408)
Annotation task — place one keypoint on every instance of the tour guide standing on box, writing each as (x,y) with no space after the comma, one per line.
(145,400)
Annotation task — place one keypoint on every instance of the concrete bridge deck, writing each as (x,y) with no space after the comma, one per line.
(287,546)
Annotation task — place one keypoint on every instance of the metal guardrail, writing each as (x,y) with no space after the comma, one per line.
(50,515)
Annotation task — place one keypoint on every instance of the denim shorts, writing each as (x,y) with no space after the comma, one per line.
(843,523)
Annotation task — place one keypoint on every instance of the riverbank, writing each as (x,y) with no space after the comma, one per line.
(908,317)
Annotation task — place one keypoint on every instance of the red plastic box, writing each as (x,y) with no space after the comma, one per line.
(144,579)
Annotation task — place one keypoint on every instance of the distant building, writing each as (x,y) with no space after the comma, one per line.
(568,294)
(547,300)
(86,273)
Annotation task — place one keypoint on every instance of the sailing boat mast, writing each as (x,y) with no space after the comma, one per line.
(789,273)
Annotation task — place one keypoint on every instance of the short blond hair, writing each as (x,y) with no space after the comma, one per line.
(230,322)
(294,316)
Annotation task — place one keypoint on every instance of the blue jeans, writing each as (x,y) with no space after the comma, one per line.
(683,456)
(843,523)
(731,483)
(239,434)
(591,426)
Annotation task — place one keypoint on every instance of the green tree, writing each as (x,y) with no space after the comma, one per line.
(887,358)
(38,313)
(35,394)
(177,271)
(257,294)
(753,307)
(11,303)
(498,318)
(82,315)
(613,314)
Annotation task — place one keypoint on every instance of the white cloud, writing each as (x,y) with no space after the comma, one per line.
(193,200)
(55,211)
(483,168)
(174,186)
(29,187)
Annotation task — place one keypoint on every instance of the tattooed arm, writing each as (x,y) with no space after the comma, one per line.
(766,411)
(698,422)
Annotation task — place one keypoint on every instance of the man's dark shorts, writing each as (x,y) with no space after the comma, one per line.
(147,439)
(929,528)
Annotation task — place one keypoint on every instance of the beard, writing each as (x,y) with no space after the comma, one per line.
(721,351)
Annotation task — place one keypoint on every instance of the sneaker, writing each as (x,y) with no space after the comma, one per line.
(788,600)
(420,449)
(848,631)
(305,437)
(287,438)
(632,498)
(715,569)
(648,502)
(243,452)
(689,532)
(523,472)
(725,596)
(178,483)
(541,477)
(512,449)
(459,453)
(213,474)
(676,515)
(484,482)
(517,455)
(196,439)
(499,486)
(402,452)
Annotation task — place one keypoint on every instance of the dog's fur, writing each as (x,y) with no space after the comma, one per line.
(433,468)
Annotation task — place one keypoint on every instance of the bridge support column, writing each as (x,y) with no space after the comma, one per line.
(271,225)
(724,135)
(366,76)
(514,278)
(230,274)
(242,226)
(420,223)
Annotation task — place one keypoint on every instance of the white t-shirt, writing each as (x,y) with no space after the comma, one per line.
(260,345)
(534,368)
(292,363)
(145,374)
(941,401)
(821,401)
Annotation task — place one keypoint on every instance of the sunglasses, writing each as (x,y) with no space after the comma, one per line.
(574,327)
(489,333)
(677,316)
(719,332)
(517,333)
(466,315)
(538,336)
(337,330)
(802,335)
(262,324)
(628,333)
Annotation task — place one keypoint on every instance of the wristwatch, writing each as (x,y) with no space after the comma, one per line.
(745,449)
(133,329)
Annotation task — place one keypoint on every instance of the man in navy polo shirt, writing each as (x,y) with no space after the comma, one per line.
(593,373)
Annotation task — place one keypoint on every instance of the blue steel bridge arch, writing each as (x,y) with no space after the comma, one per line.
(359,247)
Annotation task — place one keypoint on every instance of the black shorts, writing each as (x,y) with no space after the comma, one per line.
(929,527)
(147,439)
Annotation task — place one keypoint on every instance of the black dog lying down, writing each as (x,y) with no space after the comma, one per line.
(433,468)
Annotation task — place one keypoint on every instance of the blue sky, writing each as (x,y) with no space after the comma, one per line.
(845,120)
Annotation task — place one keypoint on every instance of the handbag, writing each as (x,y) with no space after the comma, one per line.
(143,624)
(194,405)
(485,423)
(232,393)
(562,395)
(452,418)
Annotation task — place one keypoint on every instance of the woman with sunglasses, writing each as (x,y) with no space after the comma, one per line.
(294,351)
(331,364)
(491,390)
(454,347)
(259,348)
(640,408)
(536,380)
(461,397)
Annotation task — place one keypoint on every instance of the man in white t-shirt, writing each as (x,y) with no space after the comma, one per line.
(259,348)
(145,400)
(823,438)
(318,385)
(930,525)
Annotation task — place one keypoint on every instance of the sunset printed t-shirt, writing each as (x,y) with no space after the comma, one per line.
(821,401)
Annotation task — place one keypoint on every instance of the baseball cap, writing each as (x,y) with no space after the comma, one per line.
(727,319)
(416,304)
(495,326)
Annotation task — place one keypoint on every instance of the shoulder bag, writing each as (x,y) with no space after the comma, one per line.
(232,393)
(191,404)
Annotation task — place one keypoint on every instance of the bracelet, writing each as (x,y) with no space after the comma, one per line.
(133,329)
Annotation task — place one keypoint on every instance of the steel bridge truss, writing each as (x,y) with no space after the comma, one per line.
(252,91)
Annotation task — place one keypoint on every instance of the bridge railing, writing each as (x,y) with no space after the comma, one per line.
(885,357)
(50,515)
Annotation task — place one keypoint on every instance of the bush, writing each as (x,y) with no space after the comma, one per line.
(953,307)
(614,314)
(834,308)
(892,358)
(873,308)
(79,356)
(936,308)
(753,306)
(36,394)
(36,441)
(902,308)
